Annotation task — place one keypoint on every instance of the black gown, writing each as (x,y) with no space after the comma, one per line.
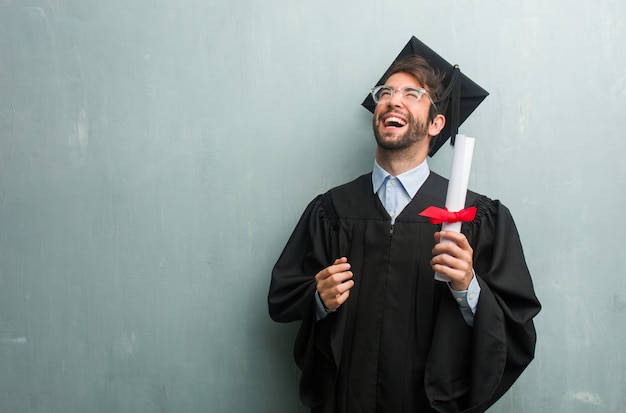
(399,343)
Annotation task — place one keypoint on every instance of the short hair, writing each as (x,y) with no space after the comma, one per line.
(426,76)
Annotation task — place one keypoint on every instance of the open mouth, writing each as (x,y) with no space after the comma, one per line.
(393,120)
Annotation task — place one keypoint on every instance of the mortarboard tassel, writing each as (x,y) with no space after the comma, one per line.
(452,98)
(455,113)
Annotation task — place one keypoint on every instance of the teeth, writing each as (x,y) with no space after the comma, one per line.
(393,119)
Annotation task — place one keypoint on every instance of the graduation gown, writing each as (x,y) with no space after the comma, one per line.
(399,343)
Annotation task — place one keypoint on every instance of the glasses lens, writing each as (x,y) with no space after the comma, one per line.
(411,95)
(382,94)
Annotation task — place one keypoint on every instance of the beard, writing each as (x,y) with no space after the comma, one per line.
(416,131)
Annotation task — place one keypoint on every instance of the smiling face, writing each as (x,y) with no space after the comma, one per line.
(399,125)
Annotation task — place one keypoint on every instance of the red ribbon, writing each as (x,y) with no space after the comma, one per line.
(441,215)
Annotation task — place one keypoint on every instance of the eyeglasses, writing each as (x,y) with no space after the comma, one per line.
(409,95)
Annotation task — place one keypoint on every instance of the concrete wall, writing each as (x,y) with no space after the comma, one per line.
(155,156)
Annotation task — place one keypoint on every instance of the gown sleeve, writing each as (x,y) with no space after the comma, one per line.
(503,337)
(291,297)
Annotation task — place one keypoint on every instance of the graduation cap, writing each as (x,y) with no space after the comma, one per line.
(460,96)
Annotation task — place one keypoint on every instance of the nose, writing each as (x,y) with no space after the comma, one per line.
(396,98)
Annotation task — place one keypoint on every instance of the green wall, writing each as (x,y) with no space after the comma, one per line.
(155,156)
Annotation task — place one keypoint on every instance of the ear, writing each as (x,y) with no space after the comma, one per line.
(436,125)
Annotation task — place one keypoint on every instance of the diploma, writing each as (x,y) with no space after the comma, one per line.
(462,152)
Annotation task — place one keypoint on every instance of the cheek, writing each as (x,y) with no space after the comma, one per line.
(376,118)
(377,112)
(412,118)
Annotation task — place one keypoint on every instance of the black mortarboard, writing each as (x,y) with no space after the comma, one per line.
(460,97)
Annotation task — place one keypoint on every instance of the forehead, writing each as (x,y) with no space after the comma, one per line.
(402,79)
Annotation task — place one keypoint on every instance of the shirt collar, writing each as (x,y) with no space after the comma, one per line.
(412,180)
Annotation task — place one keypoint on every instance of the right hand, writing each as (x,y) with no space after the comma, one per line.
(334,283)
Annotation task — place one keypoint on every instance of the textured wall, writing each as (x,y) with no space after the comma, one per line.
(155,156)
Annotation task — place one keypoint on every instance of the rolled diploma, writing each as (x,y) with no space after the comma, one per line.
(462,152)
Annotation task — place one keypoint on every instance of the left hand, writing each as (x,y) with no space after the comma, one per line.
(453,259)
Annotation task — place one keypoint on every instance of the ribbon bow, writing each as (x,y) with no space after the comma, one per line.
(441,215)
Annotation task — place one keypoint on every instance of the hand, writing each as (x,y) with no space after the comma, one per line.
(334,283)
(453,259)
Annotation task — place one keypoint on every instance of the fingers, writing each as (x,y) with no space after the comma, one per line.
(453,258)
(451,266)
(335,297)
(458,271)
(340,268)
(458,246)
(334,283)
(456,237)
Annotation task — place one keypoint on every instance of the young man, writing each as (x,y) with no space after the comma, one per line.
(379,334)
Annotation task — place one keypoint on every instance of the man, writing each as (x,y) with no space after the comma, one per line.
(379,334)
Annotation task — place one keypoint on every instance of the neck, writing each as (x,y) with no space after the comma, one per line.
(396,162)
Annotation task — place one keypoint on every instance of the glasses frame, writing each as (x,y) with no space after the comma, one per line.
(420,92)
